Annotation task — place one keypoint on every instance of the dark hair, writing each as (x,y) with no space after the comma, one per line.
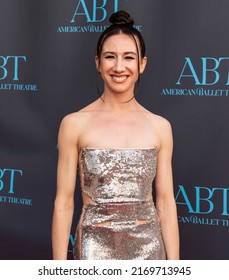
(121,22)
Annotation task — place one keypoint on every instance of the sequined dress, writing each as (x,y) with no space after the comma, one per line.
(121,221)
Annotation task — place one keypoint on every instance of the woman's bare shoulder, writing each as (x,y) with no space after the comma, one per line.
(161,122)
(72,120)
(79,117)
(158,121)
(161,127)
(164,130)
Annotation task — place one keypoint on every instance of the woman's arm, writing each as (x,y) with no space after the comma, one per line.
(66,179)
(165,202)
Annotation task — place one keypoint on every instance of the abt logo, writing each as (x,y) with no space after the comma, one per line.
(7,179)
(210,71)
(7,62)
(94,10)
(205,200)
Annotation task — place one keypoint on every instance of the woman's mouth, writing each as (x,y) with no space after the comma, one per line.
(119,79)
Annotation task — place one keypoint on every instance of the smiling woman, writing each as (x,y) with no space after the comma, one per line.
(119,148)
(118,65)
(122,24)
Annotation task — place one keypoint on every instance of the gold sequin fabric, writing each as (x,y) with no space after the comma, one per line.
(121,221)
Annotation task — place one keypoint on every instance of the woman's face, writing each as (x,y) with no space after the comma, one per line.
(118,64)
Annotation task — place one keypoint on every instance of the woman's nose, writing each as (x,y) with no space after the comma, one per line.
(119,65)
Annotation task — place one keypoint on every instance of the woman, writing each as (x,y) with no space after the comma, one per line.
(119,148)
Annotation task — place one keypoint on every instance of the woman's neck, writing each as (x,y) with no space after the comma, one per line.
(118,103)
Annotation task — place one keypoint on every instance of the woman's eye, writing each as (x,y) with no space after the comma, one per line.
(109,57)
(129,57)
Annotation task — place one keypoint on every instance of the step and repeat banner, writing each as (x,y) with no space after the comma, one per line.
(47,50)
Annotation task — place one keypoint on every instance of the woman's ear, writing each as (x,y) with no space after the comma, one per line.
(143,63)
(97,63)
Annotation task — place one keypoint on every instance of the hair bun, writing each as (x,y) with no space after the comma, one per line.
(121,18)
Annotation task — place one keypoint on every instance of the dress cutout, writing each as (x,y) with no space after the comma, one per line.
(121,221)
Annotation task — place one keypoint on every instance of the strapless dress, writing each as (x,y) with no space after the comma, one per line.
(120,222)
